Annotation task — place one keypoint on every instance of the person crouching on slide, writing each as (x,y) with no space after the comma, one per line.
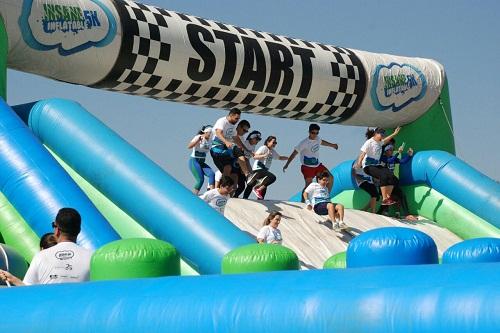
(369,160)
(317,197)
(249,144)
(201,145)
(365,183)
(263,157)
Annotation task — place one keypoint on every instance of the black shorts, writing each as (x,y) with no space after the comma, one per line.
(238,152)
(221,160)
(370,189)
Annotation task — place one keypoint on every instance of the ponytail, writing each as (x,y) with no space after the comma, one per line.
(369,133)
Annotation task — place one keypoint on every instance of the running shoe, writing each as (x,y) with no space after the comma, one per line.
(388,202)
(343,226)
(258,193)
(336,227)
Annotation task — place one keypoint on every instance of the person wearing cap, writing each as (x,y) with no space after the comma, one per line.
(249,144)
(200,146)
(369,160)
(389,160)
(65,262)
(309,156)
(263,157)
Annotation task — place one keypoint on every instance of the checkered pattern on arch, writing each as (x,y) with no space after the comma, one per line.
(140,70)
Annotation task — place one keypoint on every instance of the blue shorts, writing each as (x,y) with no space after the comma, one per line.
(321,208)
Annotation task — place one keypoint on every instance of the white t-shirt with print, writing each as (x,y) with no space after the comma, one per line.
(266,162)
(309,151)
(317,193)
(373,150)
(216,200)
(248,146)
(201,149)
(270,235)
(228,131)
(61,263)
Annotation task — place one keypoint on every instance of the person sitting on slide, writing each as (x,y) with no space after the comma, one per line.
(369,160)
(317,197)
(262,177)
(270,233)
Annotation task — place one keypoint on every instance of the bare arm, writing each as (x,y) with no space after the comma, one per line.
(194,143)
(388,138)
(305,195)
(220,135)
(329,144)
(240,144)
(360,160)
(8,277)
(283,158)
(290,159)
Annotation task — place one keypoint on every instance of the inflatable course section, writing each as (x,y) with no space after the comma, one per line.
(132,48)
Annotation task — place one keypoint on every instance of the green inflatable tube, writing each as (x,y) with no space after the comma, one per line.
(134,258)
(259,258)
(336,261)
(431,204)
(4,46)
(16,232)
(124,225)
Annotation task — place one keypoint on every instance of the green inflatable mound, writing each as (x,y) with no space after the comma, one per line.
(134,258)
(259,258)
(336,261)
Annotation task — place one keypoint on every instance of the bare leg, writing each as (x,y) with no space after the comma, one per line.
(373,205)
(340,210)
(331,212)
(330,184)
(242,162)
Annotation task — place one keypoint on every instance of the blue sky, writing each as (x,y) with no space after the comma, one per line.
(462,35)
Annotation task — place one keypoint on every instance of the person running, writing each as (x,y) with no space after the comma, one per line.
(245,155)
(200,145)
(369,160)
(309,156)
(270,233)
(263,157)
(317,197)
(365,183)
(217,198)
(223,134)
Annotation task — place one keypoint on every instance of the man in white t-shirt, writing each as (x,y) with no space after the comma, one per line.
(309,156)
(224,132)
(65,262)
(217,198)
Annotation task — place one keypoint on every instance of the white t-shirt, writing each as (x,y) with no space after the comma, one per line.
(317,193)
(373,150)
(248,146)
(309,151)
(216,200)
(61,263)
(228,131)
(270,235)
(266,162)
(201,149)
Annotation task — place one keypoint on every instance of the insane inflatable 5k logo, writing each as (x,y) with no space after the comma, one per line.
(51,24)
(397,85)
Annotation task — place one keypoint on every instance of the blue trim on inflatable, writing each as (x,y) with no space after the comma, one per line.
(455,179)
(424,298)
(443,172)
(141,188)
(37,186)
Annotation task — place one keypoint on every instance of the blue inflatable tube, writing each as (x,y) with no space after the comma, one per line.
(456,180)
(342,180)
(426,298)
(37,186)
(141,188)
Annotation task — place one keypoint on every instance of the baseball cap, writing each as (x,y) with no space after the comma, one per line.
(69,221)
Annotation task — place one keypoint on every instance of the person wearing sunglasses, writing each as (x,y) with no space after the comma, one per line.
(65,262)
(309,156)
